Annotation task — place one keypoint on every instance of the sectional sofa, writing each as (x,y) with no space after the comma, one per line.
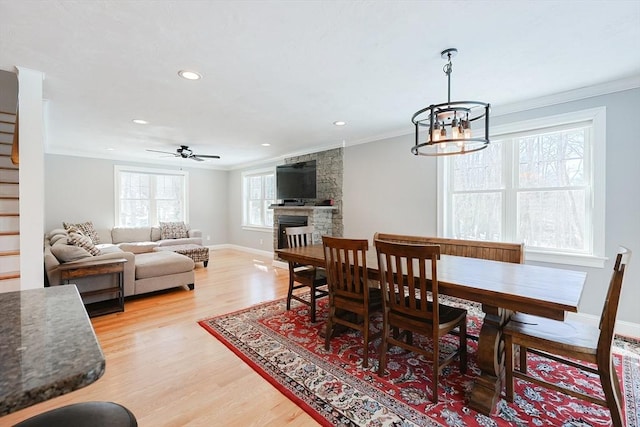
(146,269)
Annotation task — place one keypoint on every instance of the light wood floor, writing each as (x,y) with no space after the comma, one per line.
(171,372)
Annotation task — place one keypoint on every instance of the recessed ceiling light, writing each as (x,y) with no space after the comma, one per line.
(266,144)
(140,122)
(189,75)
(110,149)
(339,123)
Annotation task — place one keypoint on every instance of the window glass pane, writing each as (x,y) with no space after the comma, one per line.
(552,219)
(270,187)
(134,213)
(268,213)
(477,216)
(552,160)
(169,210)
(255,212)
(255,187)
(481,170)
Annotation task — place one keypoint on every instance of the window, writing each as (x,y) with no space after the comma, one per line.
(144,197)
(539,182)
(258,193)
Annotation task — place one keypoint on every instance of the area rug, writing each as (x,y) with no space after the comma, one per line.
(285,348)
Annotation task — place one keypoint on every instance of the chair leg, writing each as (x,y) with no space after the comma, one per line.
(463,346)
(290,292)
(508,376)
(329,327)
(611,387)
(365,338)
(382,364)
(313,303)
(436,371)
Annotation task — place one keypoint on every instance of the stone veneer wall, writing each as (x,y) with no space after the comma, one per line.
(329,169)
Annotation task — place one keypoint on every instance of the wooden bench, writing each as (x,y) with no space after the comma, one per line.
(496,251)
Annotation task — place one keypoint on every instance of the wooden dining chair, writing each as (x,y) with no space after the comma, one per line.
(301,275)
(564,340)
(351,298)
(406,282)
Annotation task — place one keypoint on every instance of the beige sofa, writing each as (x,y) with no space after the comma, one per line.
(145,271)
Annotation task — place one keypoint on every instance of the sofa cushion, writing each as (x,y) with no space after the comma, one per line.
(155,264)
(67,253)
(108,248)
(86,228)
(130,234)
(187,241)
(173,230)
(155,234)
(138,247)
(78,239)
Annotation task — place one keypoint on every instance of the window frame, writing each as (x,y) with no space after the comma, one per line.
(118,169)
(245,205)
(597,157)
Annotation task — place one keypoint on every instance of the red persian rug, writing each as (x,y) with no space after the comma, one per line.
(284,347)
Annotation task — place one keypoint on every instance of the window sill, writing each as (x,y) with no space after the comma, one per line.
(257,228)
(569,259)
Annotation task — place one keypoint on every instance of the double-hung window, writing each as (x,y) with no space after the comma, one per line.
(258,193)
(539,182)
(145,197)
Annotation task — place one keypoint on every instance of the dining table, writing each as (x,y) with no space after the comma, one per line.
(502,288)
(47,346)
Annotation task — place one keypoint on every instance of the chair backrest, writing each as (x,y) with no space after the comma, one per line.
(403,277)
(299,236)
(346,265)
(610,309)
(496,251)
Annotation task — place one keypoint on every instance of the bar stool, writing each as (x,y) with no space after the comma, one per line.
(84,414)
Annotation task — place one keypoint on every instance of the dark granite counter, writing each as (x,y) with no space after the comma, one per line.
(47,346)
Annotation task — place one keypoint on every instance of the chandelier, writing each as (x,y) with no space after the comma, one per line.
(457,127)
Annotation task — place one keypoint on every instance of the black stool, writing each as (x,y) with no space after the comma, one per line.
(85,414)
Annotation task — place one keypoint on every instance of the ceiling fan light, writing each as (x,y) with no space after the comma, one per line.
(189,75)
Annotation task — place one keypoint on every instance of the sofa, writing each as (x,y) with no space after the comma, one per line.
(146,269)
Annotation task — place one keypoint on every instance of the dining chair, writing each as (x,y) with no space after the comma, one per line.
(352,299)
(406,282)
(564,340)
(301,275)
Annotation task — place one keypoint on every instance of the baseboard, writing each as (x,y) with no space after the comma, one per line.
(625,328)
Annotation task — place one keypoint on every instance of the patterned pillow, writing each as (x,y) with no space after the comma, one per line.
(80,240)
(173,230)
(86,228)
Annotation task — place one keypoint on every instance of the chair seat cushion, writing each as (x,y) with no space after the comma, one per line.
(85,414)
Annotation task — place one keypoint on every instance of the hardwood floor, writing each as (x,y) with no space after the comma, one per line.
(170,372)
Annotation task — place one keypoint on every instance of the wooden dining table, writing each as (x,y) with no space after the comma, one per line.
(502,288)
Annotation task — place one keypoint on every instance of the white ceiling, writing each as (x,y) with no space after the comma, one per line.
(281,72)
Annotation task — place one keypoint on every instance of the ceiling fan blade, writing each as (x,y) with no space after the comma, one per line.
(208,156)
(163,152)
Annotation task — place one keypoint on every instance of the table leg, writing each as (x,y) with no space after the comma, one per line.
(491,361)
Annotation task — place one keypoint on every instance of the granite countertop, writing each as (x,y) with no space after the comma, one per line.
(47,346)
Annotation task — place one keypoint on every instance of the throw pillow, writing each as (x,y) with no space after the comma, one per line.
(80,240)
(86,228)
(173,230)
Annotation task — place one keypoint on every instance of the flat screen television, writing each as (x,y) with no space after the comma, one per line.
(296,181)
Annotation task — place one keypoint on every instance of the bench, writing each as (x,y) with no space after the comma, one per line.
(495,251)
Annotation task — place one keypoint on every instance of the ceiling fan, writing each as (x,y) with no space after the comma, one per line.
(186,153)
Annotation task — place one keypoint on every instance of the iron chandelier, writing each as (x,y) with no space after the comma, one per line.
(457,127)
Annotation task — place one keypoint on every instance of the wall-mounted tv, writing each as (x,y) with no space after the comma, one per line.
(296,181)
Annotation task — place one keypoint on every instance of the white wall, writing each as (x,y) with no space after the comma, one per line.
(81,189)
(388,189)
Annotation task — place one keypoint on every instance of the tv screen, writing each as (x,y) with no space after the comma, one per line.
(296,180)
